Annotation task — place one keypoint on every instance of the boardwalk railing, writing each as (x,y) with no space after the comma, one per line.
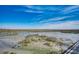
(71,48)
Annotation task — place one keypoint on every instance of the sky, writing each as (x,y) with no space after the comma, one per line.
(39,16)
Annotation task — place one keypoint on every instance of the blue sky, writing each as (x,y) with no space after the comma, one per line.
(39,17)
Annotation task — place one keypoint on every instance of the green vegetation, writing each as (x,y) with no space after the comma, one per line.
(8,52)
(42,44)
(39,30)
(8,33)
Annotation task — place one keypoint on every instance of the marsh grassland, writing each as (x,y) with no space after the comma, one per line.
(40,41)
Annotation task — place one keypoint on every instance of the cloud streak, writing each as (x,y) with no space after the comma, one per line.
(56,19)
(33,11)
(70,9)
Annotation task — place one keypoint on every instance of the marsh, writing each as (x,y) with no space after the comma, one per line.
(31,42)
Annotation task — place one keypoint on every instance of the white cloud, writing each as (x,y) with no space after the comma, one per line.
(55,19)
(50,8)
(13,26)
(65,25)
(70,9)
(34,7)
(33,11)
(74,22)
(29,10)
